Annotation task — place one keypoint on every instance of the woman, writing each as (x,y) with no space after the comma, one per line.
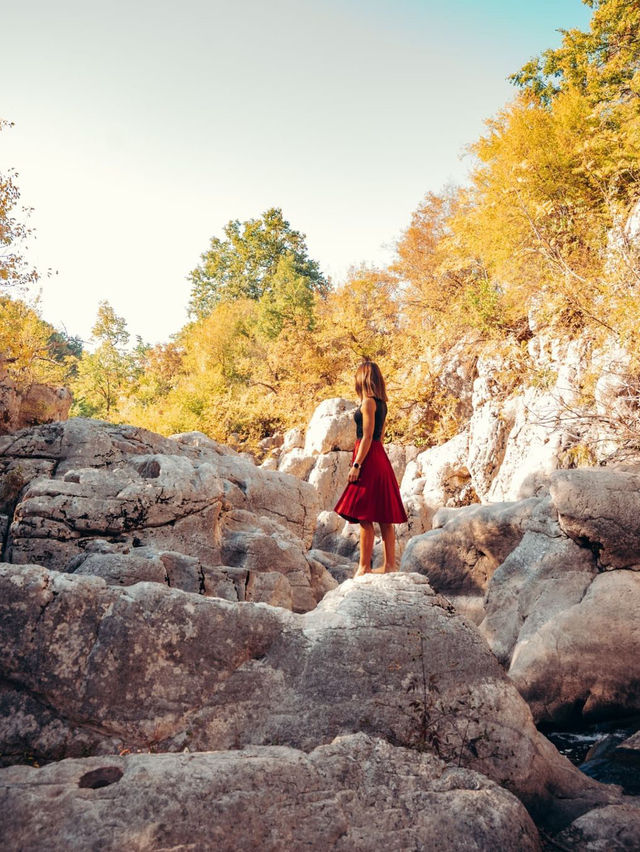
(372,493)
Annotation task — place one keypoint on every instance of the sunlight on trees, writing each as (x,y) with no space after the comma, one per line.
(538,228)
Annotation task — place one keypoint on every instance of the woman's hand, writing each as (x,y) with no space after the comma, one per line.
(354,473)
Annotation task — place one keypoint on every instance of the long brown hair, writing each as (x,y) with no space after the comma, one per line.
(369,381)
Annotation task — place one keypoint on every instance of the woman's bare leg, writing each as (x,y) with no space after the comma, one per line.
(366,548)
(388,534)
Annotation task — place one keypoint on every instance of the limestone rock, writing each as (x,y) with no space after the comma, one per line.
(540,578)
(334,535)
(586,657)
(296,462)
(548,615)
(329,477)
(601,508)
(69,485)
(331,427)
(27,405)
(341,568)
(436,477)
(614,828)
(154,666)
(269,587)
(293,439)
(359,793)
(467,544)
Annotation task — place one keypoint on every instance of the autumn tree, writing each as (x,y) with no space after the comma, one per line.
(244,264)
(109,372)
(602,64)
(14,231)
(32,349)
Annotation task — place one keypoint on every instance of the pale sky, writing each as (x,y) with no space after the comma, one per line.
(142,127)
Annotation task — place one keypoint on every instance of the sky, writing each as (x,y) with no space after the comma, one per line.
(142,126)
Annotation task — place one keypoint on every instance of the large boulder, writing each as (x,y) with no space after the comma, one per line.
(614,828)
(331,427)
(329,477)
(600,509)
(147,666)
(466,546)
(69,490)
(435,478)
(530,573)
(354,793)
(584,659)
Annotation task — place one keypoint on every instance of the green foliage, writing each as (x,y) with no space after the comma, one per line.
(31,349)
(108,373)
(603,64)
(289,302)
(554,177)
(244,264)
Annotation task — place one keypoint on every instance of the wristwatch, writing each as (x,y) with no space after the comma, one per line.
(356,465)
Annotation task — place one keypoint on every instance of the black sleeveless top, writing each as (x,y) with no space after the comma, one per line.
(381,413)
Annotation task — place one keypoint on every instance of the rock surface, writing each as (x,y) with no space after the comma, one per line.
(551,582)
(354,793)
(149,666)
(35,403)
(615,828)
(71,490)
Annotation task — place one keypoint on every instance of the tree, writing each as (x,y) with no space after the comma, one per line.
(32,350)
(108,373)
(603,64)
(14,269)
(243,265)
(289,301)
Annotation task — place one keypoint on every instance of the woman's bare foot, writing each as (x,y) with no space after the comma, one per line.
(378,570)
(361,571)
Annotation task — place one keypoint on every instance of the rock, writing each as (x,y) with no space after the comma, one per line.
(224,581)
(548,615)
(456,370)
(467,545)
(538,580)
(270,463)
(341,568)
(296,462)
(27,405)
(601,509)
(436,477)
(66,486)
(359,794)
(126,569)
(272,441)
(614,828)
(400,456)
(613,761)
(334,535)
(331,427)
(270,588)
(261,545)
(329,477)
(584,660)
(293,439)
(157,667)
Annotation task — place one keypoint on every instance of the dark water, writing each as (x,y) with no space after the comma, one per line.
(595,750)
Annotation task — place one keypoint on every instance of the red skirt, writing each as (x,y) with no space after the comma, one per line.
(375,496)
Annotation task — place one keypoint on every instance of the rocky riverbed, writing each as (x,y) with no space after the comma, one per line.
(188,662)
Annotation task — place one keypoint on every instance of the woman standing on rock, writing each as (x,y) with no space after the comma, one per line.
(372,494)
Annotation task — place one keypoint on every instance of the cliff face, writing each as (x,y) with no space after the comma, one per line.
(548,404)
